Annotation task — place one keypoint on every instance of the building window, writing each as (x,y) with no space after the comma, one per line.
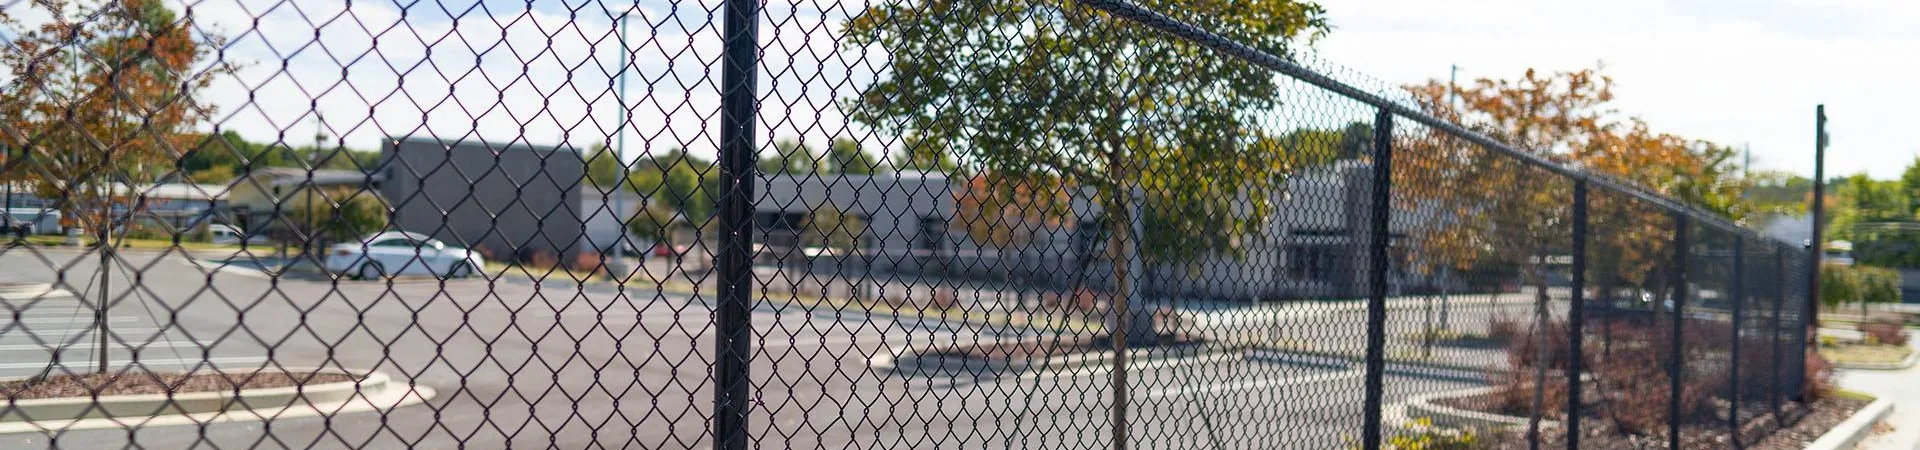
(1312,262)
(933,238)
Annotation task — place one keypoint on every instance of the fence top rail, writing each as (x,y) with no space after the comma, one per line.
(1286,66)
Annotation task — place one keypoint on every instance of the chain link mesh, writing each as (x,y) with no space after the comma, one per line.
(810,224)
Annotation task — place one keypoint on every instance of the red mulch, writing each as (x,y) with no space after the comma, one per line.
(157,383)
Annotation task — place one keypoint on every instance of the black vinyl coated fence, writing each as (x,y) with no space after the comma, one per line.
(924,224)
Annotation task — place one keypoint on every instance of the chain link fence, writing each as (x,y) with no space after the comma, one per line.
(928,224)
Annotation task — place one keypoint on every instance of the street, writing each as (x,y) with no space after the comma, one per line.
(561,365)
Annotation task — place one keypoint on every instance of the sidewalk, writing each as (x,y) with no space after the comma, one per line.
(1898,386)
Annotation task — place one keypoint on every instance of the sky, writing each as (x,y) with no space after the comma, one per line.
(1738,72)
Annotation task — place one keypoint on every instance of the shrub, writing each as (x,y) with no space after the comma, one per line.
(1502,328)
(538,257)
(1424,436)
(1883,333)
(1820,377)
(588,261)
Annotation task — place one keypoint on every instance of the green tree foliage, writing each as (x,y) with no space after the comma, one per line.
(832,228)
(1053,88)
(1844,284)
(1775,193)
(1839,285)
(655,222)
(677,181)
(790,157)
(923,156)
(220,157)
(105,93)
(846,156)
(333,215)
(1314,147)
(603,167)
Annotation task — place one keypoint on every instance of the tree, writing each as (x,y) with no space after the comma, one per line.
(106,94)
(603,167)
(1910,189)
(1315,147)
(681,181)
(333,215)
(1050,88)
(830,227)
(1003,212)
(654,221)
(922,156)
(790,157)
(1499,211)
(846,156)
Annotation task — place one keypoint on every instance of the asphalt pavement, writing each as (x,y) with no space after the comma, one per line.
(519,364)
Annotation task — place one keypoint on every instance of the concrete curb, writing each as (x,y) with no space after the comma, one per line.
(888,361)
(1425,406)
(1402,361)
(373,391)
(1848,434)
(1912,358)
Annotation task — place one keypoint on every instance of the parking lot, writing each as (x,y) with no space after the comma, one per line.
(599,363)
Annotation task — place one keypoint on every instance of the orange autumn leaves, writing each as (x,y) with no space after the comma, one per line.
(105,97)
(1498,210)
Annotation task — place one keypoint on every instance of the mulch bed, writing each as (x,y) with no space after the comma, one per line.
(158,383)
(1805,423)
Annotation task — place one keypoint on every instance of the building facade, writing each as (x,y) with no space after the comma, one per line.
(511,201)
(1312,246)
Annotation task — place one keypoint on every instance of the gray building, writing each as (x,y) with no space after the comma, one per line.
(509,200)
(1311,247)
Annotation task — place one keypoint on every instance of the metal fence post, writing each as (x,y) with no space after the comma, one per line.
(1739,307)
(1815,247)
(734,331)
(1674,355)
(1377,277)
(1779,306)
(1576,313)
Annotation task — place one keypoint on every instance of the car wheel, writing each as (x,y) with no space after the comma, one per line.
(371,270)
(461,270)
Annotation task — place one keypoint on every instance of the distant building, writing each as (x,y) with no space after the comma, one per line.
(1312,246)
(508,200)
(180,207)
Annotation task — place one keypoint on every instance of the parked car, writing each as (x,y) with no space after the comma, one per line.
(401,253)
(223,234)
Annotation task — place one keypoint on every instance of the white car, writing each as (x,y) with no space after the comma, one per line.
(223,234)
(396,253)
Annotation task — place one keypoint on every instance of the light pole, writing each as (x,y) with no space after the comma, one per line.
(617,265)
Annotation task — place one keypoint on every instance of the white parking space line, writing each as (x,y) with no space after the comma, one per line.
(1211,388)
(1104,368)
(88,345)
(168,362)
(121,331)
(63,320)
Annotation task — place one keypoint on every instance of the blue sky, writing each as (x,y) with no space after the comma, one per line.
(1741,72)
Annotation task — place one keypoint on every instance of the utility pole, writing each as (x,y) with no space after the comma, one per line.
(1453,85)
(617,265)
